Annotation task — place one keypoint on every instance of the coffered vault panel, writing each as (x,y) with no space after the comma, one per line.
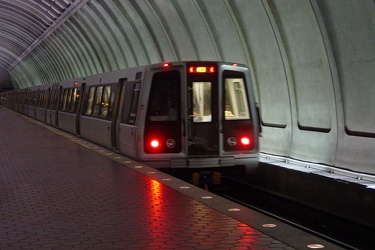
(313,61)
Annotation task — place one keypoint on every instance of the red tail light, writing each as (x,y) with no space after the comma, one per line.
(239,136)
(245,141)
(154,143)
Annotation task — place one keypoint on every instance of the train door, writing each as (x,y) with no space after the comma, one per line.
(163,131)
(32,111)
(48,106)
(126,142)
(27,102)
(238,127)
(203,111)
(56,105)
(78,96)
(52,106)
(116,118)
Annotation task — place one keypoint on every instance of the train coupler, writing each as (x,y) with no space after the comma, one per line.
(206,179)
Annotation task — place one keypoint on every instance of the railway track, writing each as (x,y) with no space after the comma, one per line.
(338,230)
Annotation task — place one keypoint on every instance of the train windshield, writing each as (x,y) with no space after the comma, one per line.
(202,101)
(165,97)
(236,104)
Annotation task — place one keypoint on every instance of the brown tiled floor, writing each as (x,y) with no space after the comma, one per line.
(56,193)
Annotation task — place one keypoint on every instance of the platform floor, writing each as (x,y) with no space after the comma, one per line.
(58,191)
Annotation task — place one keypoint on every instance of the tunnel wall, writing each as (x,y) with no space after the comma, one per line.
(312,61)
(5,80)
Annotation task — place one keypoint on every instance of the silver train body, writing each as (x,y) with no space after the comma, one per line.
(167,115)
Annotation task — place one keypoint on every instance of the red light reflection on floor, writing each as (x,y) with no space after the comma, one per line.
(249,236)
(157,217)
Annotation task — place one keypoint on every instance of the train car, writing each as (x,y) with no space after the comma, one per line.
(31,101)
(65,109)
(198,114)
(53,97)
(177,115)
(41,102)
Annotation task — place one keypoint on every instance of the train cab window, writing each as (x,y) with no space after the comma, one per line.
(90,101)
(236,103)
(105,103)
(165,97)
(202,102)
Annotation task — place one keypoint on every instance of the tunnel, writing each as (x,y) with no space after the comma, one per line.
(312,61)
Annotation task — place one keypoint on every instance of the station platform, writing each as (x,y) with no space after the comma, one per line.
(58,191)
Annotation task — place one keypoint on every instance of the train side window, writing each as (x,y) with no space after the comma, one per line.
(49,99)
(112,100)
(39,99)
(57,98)
(31,98)
(130,104)
(105,102)
(236,103)
(28,98)
(64,97)
(98,99)
(128,91)
(36,96)
(75,98)
(134,104)
(90,101)
(54,96)
(68,100)
(45,99)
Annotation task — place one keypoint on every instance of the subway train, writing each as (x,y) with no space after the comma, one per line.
(198,114)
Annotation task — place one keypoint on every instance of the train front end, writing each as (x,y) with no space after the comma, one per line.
(199,115)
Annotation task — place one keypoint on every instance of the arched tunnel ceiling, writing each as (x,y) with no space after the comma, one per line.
(23,23)
(312,61)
